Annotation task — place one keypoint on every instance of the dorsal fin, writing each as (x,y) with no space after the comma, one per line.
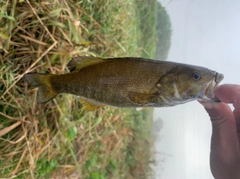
(83,61)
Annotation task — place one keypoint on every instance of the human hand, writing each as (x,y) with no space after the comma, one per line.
(225,142)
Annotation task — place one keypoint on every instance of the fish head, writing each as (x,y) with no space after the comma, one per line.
(209,88)
(198,83)
(187,83)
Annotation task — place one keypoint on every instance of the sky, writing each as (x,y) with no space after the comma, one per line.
(204,33)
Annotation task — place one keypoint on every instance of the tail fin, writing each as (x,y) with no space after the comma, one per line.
(42,81)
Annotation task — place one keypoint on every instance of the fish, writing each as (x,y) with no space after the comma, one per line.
(128,82)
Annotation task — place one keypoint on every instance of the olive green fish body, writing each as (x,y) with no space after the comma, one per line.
(113,82)
(128,82)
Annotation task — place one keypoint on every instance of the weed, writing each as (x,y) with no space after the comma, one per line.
(61,139)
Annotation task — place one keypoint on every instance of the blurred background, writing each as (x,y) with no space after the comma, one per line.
(204,33)
(60,139)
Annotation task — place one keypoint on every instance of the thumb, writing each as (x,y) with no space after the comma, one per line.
(220,114)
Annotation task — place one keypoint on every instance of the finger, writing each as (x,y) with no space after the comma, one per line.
(224,143)
(237,117)
(224,130)
(229,93)
(220,113)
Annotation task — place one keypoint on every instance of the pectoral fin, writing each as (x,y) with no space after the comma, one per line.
(83,61)
(142,98)
(89,104)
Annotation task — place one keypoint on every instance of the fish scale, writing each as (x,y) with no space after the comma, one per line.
(128,82)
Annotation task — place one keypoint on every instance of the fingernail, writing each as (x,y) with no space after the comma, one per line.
(207,105)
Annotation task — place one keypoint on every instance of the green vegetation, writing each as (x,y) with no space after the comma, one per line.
(164,33)
(147,11)
(61,139)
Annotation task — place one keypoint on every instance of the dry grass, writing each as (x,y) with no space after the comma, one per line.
(35,139)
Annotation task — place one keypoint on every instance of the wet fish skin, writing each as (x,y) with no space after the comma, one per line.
(128,82)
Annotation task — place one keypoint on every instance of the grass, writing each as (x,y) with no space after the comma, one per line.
(147,23)
(60,139)
(164,33)
(107,145)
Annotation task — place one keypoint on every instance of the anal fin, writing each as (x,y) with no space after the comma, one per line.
(90,104)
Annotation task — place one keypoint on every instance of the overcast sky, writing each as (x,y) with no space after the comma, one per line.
(205,33)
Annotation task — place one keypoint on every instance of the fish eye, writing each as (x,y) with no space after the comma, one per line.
(196,76)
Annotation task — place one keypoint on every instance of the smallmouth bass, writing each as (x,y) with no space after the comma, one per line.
(128,82)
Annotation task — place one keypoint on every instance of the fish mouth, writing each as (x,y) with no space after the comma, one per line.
(209,91)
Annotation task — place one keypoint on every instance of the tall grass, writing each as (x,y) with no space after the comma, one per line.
(60,138)
(147,23)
